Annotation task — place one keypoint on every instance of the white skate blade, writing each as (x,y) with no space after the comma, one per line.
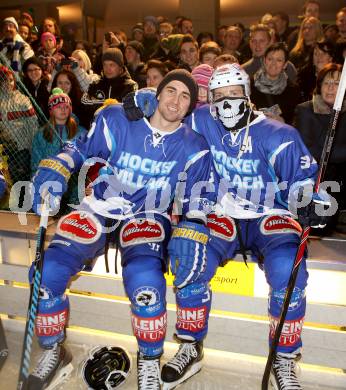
(61,377)
(192,371)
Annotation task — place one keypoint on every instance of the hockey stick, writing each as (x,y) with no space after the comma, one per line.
(306,229)
(24,369)
(3,345)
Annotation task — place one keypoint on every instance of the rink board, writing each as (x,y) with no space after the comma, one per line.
(326,264)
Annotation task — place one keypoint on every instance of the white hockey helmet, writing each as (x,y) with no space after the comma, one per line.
(228,74)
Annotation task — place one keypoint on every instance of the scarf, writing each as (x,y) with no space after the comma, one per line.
(12,51)
(321,107)
(266,85)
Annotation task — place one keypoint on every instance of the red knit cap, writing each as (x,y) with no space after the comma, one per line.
(5,73)
(58,98)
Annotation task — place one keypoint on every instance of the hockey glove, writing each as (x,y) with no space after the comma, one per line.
(52,176)
(314,214)
(140,104)
(2,186)
(187,252)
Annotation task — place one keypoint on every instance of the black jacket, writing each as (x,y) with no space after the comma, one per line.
(313,128)
(115,88)
(287,100)
(41,95)
(313,123)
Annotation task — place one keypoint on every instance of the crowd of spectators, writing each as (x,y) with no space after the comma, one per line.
(287,66)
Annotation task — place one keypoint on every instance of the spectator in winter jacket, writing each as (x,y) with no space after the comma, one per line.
(48,53)
(189,52)
(323,54)
(18,125)
(115,83)
(13,47)
(80,65)
(312,120)
(261,37)
(232,42)
(310,32)
(61,127)
(155,71)
(150,36)
(24,31)
(271,91)
(134,53)
(50,25)
(67,81)
(341,22)
(37,84)
(83,71)
(208,52)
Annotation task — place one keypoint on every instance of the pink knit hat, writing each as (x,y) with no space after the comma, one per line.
(47,35)
(202,74)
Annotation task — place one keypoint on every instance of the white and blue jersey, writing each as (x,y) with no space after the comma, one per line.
(264,165)
(274,161)
(142,166)
(144,170)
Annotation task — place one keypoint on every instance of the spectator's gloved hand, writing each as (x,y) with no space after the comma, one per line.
(51,177)
(314,213)
(187,251)
(3,186)
(139,104)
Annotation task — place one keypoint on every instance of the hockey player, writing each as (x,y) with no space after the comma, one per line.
(268,165)
(146,164)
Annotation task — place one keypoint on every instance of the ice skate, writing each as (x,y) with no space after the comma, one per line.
(52,369)
(186,362)
(148,372)
(283,373)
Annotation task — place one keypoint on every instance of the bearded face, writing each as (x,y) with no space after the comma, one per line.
(230,110)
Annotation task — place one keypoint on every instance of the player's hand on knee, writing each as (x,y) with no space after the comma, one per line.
(187,251)
(50,181)
(139,104)
(316,213)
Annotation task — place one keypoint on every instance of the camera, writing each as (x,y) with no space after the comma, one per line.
(66,61)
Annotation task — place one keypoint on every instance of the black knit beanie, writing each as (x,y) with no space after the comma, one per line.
(185,77)
(137,46)
(113,54)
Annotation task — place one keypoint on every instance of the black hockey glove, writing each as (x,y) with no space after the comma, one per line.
(139,104)
(314,214)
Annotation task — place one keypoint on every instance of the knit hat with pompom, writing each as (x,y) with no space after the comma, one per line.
(58,98)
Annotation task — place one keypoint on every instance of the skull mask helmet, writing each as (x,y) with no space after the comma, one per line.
(232,111)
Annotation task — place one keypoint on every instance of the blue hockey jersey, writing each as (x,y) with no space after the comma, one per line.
(144,169)
(264,166)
